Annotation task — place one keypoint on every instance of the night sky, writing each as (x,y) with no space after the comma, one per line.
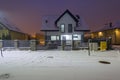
(26,14)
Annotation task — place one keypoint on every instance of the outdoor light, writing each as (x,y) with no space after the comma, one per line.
(100,34)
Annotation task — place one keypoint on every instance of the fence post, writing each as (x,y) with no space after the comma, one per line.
(89,46)
(16,44)
(1,43)
(33,45)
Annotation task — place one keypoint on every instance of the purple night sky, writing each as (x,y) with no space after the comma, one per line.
(26,14)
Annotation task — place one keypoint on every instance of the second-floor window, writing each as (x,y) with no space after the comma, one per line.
(70,29)
(62,28)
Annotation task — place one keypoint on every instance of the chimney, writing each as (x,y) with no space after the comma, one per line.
(77,16)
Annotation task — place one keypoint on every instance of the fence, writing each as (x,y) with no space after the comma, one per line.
(35,45)
(16,44)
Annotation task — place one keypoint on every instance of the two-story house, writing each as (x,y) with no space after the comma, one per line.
(65,28)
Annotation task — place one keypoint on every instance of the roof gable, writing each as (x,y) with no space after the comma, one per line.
(8,25)
(48,22)
(67,11)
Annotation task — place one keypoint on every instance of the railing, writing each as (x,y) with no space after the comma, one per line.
(8,43)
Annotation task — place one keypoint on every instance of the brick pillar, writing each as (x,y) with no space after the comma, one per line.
(33,45)
(1,43)
(16,44)
(90,46)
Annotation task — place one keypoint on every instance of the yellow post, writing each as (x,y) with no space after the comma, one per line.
(103,45)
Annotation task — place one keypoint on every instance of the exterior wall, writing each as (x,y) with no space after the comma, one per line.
(4,32)
(114,34)
(117,33)
(52,33)
(48,34)
(66,19)
(94,35)
(18,36)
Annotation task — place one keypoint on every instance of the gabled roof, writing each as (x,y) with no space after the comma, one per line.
(48,23)
(67,11)
(108,27)
(9,25)
(117,24)
(82,26)
(104,28)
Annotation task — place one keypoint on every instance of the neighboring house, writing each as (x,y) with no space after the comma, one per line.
(109,31)
(10,32)
(65,28)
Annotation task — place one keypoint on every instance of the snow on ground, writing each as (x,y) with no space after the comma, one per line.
(59,65)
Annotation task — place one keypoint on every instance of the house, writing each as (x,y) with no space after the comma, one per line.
(10,32)
(108,31)
(65,28)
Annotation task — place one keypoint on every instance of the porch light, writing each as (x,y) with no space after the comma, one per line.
(100,34)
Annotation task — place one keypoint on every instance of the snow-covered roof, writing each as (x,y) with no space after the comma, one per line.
(48,23)
(82,25)
(108,27)
(9,25)
(117,24)
(105,27)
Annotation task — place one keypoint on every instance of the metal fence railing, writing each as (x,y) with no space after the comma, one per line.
(8,43)
(23,44)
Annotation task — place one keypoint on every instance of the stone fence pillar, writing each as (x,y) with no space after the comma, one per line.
(33,45)
(1,43)
(16,44)
(93,46)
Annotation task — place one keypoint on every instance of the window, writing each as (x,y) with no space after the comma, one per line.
(76,37)
(70,28)
(62,28)
(53,38)
(58,37)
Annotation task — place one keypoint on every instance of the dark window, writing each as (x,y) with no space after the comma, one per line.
(70,30)
(46,21)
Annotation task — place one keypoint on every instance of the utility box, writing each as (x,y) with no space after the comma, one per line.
(103,45)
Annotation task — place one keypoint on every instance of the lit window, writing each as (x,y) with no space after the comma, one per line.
(62,28)
(58,37)
(53,38)
(76,37)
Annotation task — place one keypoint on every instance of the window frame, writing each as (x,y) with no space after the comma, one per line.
(62,26)
(70,28)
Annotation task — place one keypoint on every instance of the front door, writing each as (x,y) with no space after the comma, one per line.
(66,39)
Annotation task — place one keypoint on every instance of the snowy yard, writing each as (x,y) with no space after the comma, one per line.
(59,65)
